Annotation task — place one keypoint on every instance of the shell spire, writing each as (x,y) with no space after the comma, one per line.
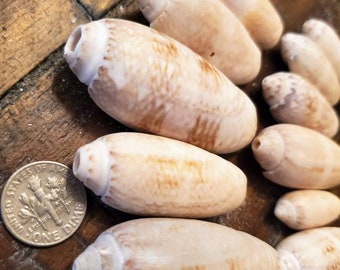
(79,48)
(269,149)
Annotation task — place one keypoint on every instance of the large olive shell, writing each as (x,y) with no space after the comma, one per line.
(155,84)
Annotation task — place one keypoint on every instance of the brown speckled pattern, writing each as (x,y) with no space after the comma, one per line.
(172,92)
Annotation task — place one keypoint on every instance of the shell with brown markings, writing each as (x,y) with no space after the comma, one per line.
(151,175)
(314,249)
(292,99)
(305,57)
(260,18)
(210,29)
(297,157)
(176,244)
(306,209)
(154,84)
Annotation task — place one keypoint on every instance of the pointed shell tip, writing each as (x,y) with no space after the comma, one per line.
(285,211)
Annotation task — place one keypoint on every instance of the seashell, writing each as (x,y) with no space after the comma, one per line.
(210,29)
(327,38)
(292,99)
(297,157)
(304,57)
(152,175)
(260,18)
(314,249)
(176,244)
(162,87)
(306,209)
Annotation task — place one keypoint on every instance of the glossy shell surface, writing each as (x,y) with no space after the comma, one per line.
(306,209)
(306,58)
(260,18)
(151,175)
(210,29)
(162,87)
(297,157)
(314,249)
(327,38)
(293,99)
(176,244)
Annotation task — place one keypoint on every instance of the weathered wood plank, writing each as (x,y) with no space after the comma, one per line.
(47,116)
(127,9)
(30,31)
(47,111)
(98,8)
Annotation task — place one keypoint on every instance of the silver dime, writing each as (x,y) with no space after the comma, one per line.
(43,204)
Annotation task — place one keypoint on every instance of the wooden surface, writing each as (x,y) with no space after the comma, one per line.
(46,114)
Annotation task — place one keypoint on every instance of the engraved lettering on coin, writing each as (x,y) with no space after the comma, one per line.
(43,204)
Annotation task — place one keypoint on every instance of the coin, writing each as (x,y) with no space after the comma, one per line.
(43,204)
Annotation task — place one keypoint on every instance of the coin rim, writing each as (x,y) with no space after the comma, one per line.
(3,215)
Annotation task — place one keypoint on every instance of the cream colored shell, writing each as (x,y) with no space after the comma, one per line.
(176,244)
(151,175)
(297,157)
(305,57)
(260,18)
(210,29)
(314,249)
(327,38)
(292,99)
(154,84)
(306,209)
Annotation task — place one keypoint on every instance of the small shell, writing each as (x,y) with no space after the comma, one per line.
(260,18)
(292,99)
(210,29)
(326,37)
(306,209)
(305,58)
(297,157)
(176,244)
(151,175)
(154,84)
(314,249)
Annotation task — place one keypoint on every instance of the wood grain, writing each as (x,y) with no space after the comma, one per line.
(30,31)
(48,114)
(98,8)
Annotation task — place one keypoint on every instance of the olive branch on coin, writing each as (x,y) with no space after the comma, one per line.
(37,205)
